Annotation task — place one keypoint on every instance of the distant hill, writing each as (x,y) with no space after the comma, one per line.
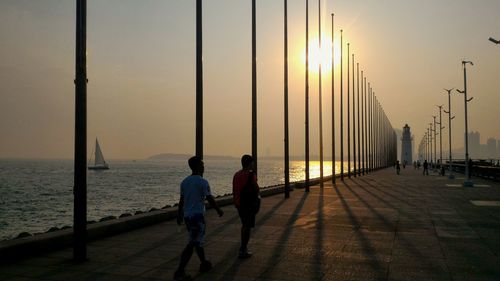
(176,156)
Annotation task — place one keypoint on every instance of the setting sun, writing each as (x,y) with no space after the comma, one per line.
(323,55)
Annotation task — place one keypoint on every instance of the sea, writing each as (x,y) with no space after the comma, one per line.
(36,195)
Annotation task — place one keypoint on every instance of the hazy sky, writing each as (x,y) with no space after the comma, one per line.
(141,69)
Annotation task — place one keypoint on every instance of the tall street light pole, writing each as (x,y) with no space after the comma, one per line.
(285,87)
(80,161)
(320,102)
(341,110)
(307,99)
(359,128)
(450,176)
(435,141)
(348,117)
(353,119)
(333,106)
(468,182)
(441,127)
(254,87)
(199,79)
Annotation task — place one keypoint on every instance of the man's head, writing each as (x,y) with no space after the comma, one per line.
(196,165)
(247,161)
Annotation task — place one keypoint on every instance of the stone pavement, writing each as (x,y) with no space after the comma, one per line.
(375,227)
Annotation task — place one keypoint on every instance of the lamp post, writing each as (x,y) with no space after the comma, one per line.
(320,103)
(80,161)
(435,142)
(341,111)
(254,87)
(307,100)
(450,176)
(353,120)
(468,182)
(348,118)
(333,106)
(440,137)
(285,87)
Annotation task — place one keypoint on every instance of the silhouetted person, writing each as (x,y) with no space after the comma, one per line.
(404,164)
(398,168)
(426,168)
(246,200)
(194,190)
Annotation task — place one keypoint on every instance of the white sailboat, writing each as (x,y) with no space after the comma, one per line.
(99,162)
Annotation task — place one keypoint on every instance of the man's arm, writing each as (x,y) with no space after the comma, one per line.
(212,203)
(180,211)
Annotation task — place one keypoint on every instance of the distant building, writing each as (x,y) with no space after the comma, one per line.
(474,145)
(491,148)
(406,145)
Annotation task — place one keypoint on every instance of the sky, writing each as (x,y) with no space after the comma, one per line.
(141,71)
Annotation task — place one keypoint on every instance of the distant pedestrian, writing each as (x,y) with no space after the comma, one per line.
(418,164)
(404,164)
(398,168)
(426,168)
(194,190)
(246,200)
(414,165)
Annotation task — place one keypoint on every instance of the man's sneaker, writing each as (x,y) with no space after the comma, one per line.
(244,255)
(181,276)
(205,266)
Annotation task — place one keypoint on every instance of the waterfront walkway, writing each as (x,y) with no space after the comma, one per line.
(375,227)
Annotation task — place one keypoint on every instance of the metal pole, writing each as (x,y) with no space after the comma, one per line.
(254,88)
(199,79)
(365,162)
(341,110)
(435,141)
(363,124)
(333,106)
(348,118)
(353,119)
(285,86)
(440,136)
(450,176)
(307,99)
(80,164)
(320,103)
(467,181)
(359,127)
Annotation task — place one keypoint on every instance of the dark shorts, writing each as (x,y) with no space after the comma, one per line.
(196,229)
(247,218)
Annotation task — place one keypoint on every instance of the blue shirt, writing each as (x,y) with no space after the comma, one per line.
(194,189)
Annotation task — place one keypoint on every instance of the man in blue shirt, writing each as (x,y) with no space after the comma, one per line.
(194,190)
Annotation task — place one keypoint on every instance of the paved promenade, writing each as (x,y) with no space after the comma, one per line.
(375,227)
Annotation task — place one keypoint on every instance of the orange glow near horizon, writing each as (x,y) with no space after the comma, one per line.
(322,56)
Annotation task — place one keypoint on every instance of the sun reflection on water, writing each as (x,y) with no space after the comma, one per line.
(297,169)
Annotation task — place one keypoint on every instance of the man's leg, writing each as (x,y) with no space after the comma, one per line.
(185,257)
(245,237)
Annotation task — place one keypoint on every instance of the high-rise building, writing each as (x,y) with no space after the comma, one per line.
(474,145)
(491,148)
(406,146)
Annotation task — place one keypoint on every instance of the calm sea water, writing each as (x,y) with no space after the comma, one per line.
(36,195)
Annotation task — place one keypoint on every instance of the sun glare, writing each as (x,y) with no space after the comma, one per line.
(322,56)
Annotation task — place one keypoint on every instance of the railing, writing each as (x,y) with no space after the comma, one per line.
(486,169)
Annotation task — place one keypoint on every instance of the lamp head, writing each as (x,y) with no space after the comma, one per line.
(464,62)
(461,92)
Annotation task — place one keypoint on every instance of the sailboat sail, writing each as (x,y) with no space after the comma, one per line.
(99,158)
(99,162)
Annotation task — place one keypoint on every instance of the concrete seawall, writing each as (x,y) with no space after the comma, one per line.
(16,249)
